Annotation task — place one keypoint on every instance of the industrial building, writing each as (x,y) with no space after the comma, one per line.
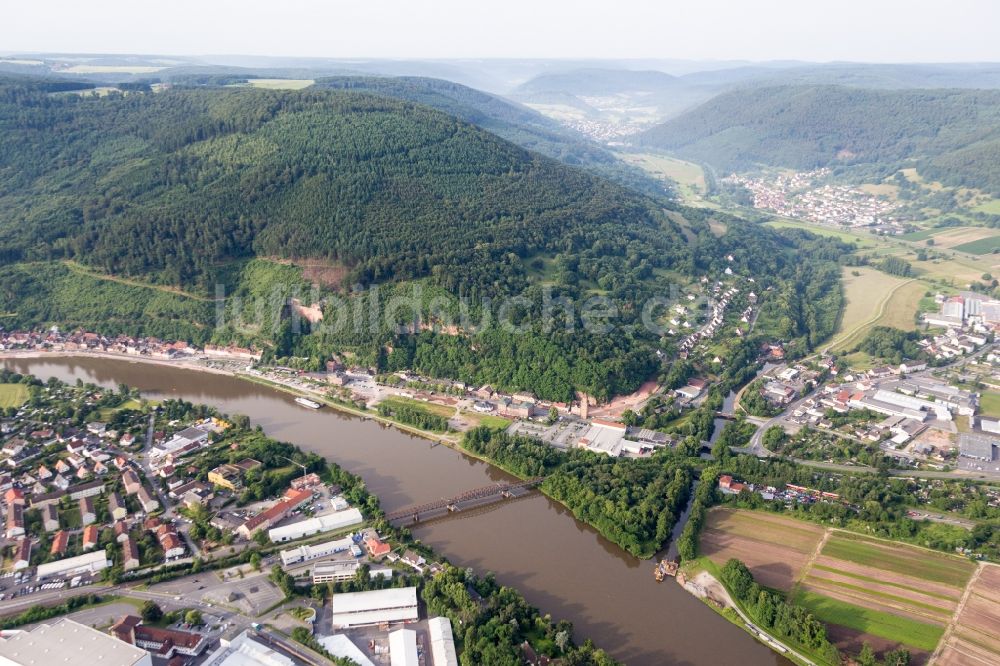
(356,609)
(69,642)
(245,651)
(898,404)
(340,570)
(977,447)
(343,647)
(314,551)
(325,523)
(442,642)
(604,437)
(72,566)
(185,440)
(403,648)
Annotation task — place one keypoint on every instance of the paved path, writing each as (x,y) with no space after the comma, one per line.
(754,629)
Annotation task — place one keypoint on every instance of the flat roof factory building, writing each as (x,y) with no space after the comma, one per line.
(355,609)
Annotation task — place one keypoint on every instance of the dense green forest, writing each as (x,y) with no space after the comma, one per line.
(951,135)
(169,185)
(128,213)
(633,503)
(508,120)
(518,124)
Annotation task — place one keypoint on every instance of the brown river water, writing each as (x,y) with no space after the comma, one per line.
(559,564)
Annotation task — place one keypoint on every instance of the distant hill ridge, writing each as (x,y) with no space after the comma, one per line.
(952,135)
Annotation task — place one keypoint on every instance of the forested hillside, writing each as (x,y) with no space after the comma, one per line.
(950,135)
(124,213)
(169,185)
(508,120)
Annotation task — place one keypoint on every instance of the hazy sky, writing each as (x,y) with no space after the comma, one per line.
(868,30)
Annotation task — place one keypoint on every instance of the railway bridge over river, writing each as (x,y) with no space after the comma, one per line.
(470,499)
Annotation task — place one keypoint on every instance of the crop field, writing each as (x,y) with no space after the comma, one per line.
(13,395)
(773,547)
(881,190)
(113,69)
(888,590)
(989,403)
(980,246)
(921,235)
(992,206)
(689,176)
(882,592)
(281,84)
(819,230)
(974,639)
(874,298)
(956,236)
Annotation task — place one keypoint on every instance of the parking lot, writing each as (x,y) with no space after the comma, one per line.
(251,595)
(563,434)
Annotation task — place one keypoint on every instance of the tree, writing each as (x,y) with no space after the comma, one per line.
(151,612)
(255,560)
(193,617)
(562,640)
(867,655)
(898,657)
(553,415)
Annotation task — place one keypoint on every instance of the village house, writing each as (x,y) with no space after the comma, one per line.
(87,512)
(50,517)
(130,554)
(15,521)
(376,547)
(14,496)
(146,500)
(22,556)
(116,507)
(130,480)
(59,543)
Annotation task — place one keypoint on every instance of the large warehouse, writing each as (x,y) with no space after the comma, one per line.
(355,609)
(72,566)
(69,642)
(314,551)
(325,523)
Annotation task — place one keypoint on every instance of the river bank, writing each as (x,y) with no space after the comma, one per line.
(561,565)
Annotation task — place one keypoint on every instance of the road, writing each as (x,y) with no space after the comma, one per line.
(169,512)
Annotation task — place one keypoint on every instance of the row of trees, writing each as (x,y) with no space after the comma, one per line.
(771,612)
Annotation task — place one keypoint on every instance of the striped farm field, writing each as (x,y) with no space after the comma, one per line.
(885,556)
(868,622)
(980,246)
(775,548)
(883,589)
(952,237)
(973,639)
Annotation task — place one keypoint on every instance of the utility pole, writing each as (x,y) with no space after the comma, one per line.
(297,464)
